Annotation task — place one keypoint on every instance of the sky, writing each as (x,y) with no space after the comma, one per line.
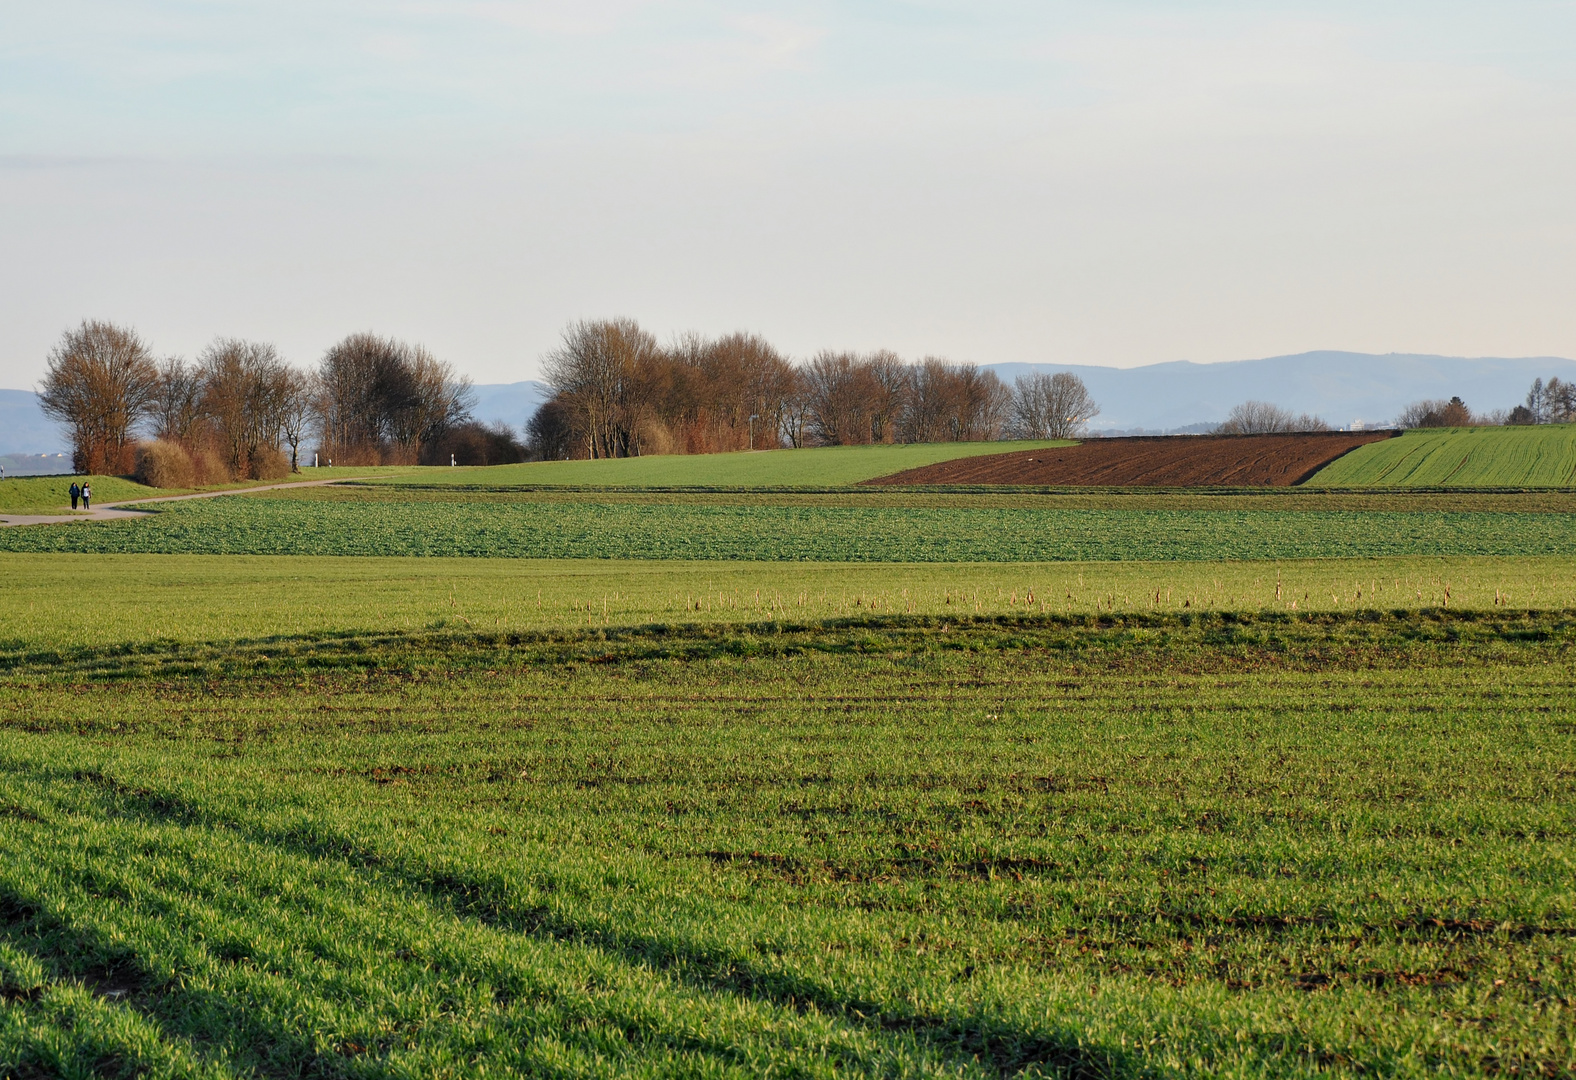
(1116,183)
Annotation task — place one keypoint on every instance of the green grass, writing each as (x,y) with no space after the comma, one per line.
(1219,813)
(1540,456)
(829,466)
(1150,846)
(49,494)
(354,523)
(53,606)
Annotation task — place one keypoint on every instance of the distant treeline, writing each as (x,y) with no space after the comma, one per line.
(239,410)
(618,393)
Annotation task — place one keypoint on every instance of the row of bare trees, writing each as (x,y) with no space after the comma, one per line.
(618,393)
(1553,402)
(230,413)
(1264,418)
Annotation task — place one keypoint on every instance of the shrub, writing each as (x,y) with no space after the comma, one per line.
(209,466)
(164,464)
(472,443)
(268,463)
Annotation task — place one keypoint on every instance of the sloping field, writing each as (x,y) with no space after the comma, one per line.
(828,466)
(1153,461)
(1542,456)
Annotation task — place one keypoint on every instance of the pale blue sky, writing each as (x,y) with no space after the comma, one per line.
(1114,183)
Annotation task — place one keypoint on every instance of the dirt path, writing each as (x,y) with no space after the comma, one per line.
(112,511)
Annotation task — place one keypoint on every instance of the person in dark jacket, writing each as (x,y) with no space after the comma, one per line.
(76,493)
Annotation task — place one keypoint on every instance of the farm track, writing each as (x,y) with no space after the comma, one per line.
(1281,460)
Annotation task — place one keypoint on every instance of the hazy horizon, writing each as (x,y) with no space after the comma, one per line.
(1109,367)
(1117,186)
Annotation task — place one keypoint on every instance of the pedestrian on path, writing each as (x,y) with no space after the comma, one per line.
(87,496)
(76,493)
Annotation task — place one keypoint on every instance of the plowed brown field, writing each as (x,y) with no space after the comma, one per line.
(1153,461)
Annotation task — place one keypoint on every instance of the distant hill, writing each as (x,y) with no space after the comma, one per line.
(513,403)
(1341,387)
(24,429)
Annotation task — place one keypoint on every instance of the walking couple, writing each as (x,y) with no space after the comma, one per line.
(84,492)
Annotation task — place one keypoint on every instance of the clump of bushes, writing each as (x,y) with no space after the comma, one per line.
(267,463)
(164,464)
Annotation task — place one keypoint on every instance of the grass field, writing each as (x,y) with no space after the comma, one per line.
(357,523)
(1201,846)
(49,494)
(1537,456)
(54,606)
(802,784)
(827,466)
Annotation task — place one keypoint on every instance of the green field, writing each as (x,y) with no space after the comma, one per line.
(367,522)
(1514,457)
(49,494)
(1157,845)
(420,778)
(825,466)
(54,607)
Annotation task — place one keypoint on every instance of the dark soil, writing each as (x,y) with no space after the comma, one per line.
(1154,461)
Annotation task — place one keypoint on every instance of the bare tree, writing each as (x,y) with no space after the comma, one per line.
(382,399)
(176,409)
(793,421)
(1559,401)
(839,388)
(551,433)
(349,410)
(771,383)
(1553,402)
(1436,413)
(603,372)
(888,376)
(422,398)
(100,380)
(947,402)
(934,399)
(299,408)
(244,388)
(1051,406)
(984,405)
(1262,418)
